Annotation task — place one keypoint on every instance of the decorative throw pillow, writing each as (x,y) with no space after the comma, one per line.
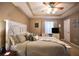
(31,38)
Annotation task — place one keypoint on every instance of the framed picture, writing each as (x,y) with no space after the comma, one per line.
(36,25)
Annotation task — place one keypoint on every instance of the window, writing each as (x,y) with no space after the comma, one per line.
(48,26)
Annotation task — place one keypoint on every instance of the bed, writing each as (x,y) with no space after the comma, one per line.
(41,47)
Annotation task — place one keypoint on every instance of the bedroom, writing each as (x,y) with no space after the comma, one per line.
(37,18)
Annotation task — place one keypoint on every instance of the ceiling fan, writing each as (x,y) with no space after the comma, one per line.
(53,5)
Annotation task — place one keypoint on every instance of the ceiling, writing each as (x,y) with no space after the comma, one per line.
(40,10)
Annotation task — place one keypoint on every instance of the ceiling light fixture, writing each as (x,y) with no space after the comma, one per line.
(54,11)
(49,10)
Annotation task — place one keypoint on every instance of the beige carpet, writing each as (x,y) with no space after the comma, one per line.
(74,51)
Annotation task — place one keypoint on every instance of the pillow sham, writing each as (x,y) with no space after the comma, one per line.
(8,44)
(31,36)
(14,40)
(21,38)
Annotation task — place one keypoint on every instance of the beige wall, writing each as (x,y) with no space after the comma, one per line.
(9,11)
(33,29)
(74,31)
(74,28)
(41,29)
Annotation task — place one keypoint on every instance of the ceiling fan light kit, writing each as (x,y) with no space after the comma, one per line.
(52,6)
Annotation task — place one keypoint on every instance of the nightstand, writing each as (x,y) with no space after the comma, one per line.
(10,53)
(2,50)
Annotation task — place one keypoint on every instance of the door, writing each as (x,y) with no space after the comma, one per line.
(67,30)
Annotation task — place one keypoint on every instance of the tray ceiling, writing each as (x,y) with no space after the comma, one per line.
(38,9)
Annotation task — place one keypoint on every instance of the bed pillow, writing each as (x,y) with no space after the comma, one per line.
(21,38)
(36,37)
(30,37)
(14,40)
(26,36)
(27,33)
(8,44)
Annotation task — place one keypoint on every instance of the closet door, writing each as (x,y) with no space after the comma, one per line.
(67,30)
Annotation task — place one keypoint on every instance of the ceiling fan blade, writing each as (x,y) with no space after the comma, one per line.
(54,3)
(61,8)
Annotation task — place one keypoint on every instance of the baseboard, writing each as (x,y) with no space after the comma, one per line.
(75,45)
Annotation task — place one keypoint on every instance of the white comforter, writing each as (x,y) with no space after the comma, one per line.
(20,48)
(40,48)
(53,39)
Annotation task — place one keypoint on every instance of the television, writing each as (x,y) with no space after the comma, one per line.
(55,30)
